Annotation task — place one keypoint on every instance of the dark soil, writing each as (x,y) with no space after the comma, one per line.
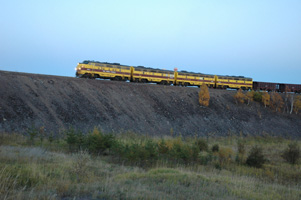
(58,103)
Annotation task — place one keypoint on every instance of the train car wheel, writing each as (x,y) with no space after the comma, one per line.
(163,82)
(117,78)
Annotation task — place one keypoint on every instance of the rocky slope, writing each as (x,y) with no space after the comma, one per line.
(58,103)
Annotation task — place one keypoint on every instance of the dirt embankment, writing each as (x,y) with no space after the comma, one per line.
(58,103)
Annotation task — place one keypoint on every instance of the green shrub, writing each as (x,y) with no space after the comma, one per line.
(257,96)
(292,153)
(202,144)
(118,149)
(151,150)
(80,140)
(241,147)
(205,158)
(195,153)
(32,132)
(256,157)
(225,156)
(1,139)
(218,166)
(162,147)
(135,153)
(71,139)
(97,142)
(50,138)
(215,148)
(180,152)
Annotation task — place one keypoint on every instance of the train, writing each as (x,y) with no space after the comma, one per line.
(118,72)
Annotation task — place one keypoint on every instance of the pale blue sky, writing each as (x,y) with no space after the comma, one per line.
(255,38)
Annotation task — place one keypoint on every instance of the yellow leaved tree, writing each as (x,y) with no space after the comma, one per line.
(204,95)
(297,104)
(266,99)
(239,97)
(277,101)
(249,96)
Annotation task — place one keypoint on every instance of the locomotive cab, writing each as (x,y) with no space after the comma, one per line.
(78,70)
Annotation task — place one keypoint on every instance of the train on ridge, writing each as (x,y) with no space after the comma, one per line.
(116,71)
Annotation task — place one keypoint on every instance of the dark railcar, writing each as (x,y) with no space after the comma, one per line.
(267,86)
(278,87)
(290,88)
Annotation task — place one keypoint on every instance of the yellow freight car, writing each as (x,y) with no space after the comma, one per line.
(151,75)
(113,71)
(235,82)
(194,79)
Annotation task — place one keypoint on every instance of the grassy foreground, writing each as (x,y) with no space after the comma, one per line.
(51,169)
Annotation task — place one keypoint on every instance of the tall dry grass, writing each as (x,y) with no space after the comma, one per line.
(49,171)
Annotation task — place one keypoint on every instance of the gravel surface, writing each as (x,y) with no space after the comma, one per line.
(58,103)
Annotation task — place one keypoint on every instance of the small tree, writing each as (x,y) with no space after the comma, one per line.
(292,153)
(239,97)
(202,144)
(204,95)
(162,147)
(32,132)
(97,142)
(215,148)
(71,139)
(286,100)
(256,157)
(277,101)
(257,96)
(297,104)
(291,100)
(51,137)
(266,99)
(41,133)
(225,156)
(249,96)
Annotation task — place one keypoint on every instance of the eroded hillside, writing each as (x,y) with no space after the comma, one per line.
(58,103)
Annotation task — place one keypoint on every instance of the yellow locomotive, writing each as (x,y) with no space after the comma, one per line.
(115,71)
